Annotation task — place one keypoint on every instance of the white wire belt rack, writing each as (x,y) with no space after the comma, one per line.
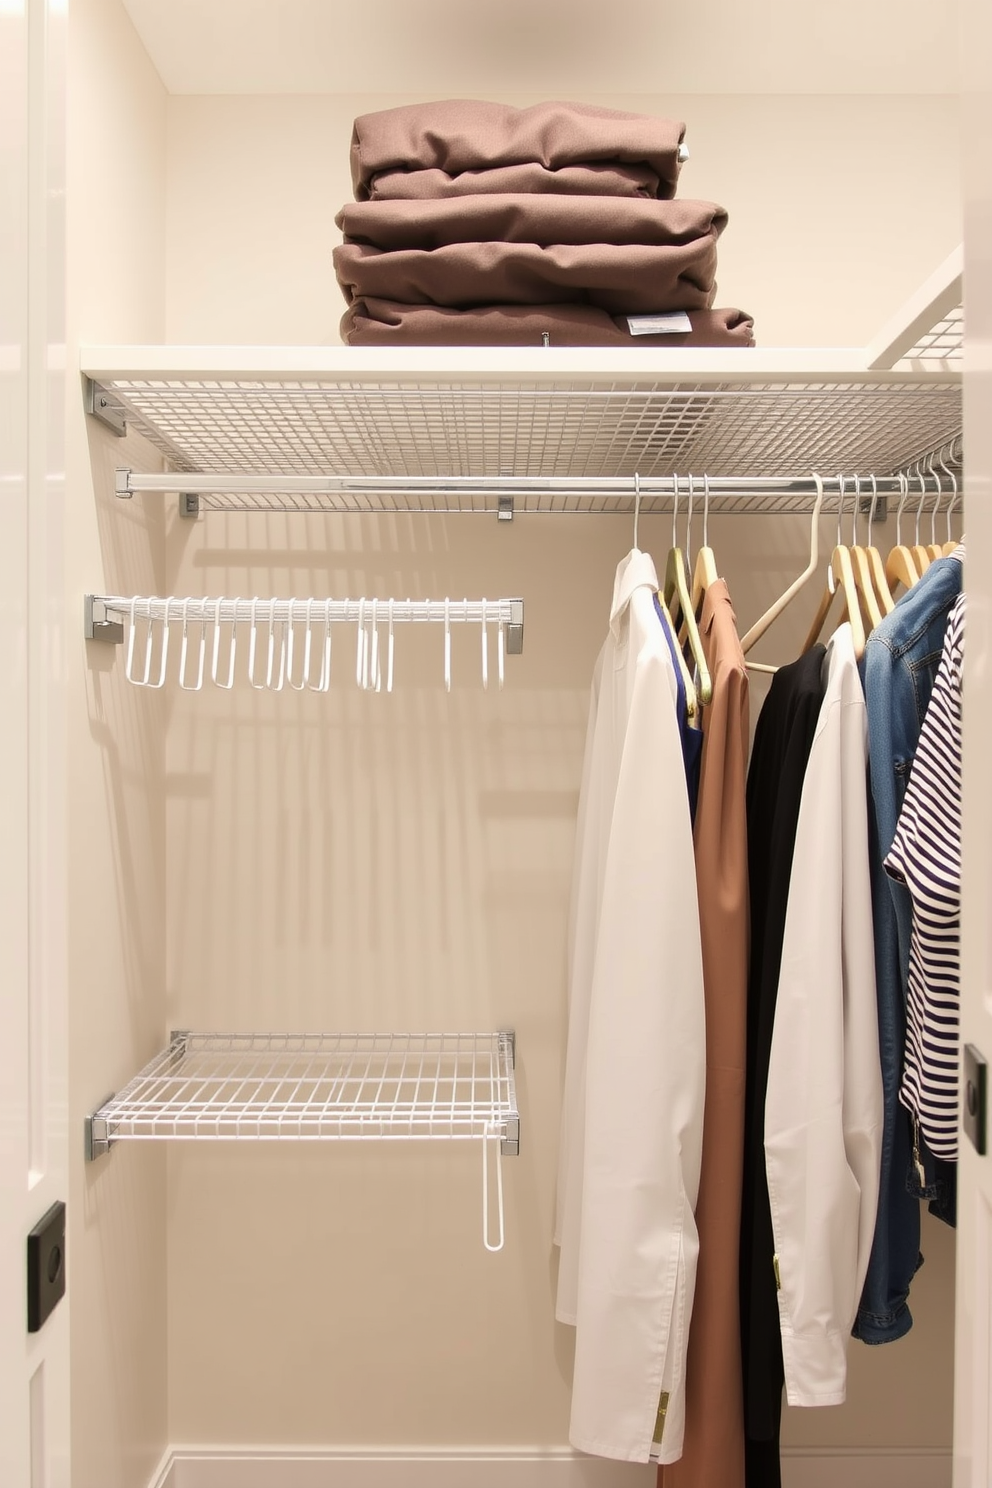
(288,641)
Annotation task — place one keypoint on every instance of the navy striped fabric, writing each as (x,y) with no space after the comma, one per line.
(926,856)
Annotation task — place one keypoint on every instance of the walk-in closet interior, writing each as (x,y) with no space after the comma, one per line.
(353,859)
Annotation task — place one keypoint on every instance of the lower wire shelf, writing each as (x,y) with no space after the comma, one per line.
(317,1087)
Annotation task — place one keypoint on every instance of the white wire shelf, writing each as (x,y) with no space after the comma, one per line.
(317,1087)
(343,429)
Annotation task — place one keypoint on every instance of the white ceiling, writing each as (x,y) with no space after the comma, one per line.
(552,48)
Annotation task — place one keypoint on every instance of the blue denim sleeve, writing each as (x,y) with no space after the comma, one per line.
(884,1314)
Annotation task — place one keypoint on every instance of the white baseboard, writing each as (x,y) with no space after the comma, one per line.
(517,1467)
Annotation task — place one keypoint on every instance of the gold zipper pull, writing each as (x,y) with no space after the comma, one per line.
(778,1274)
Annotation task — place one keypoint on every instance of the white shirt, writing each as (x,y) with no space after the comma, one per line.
(635,1067)
(823,1108)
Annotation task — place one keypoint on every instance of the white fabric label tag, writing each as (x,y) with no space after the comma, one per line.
(671,324)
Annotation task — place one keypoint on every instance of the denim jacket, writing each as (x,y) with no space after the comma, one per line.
(898,669)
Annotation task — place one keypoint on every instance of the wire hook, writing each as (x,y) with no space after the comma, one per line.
(706,511)
(874,503)
(447,644)
(389,652)
(637,506)
(954,494)
(487,1138)
(485,648)
(232,653)
(184,651)
(903,496)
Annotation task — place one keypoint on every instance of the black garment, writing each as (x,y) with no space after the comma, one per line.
(782,742)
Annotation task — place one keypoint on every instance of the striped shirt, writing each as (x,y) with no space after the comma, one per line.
(926,856)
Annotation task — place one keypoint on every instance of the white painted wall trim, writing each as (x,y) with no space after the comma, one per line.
(519,1467)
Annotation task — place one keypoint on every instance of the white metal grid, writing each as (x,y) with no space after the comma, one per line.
(445,428)
(943,343)
(318,1087)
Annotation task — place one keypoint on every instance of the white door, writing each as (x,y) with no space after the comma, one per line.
(34,1365)
(973,1361)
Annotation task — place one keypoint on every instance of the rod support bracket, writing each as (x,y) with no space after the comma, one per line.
(189,505)
(102,407)
(97,626)
(122,483)
(509,1145)
(504,509)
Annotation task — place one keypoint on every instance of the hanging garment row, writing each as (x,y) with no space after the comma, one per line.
(756,1098)
(288,640)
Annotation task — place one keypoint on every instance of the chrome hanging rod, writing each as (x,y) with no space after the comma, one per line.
(197,483)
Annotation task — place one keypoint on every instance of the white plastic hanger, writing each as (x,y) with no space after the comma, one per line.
(751,637)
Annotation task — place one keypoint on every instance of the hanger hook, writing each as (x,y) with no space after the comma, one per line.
(637,505)
(923,496)
(874,503)
(675,509)
(706,511)
(903,494)
(855,510)
(688,521)
(841,491)
(938,496)
(954,488)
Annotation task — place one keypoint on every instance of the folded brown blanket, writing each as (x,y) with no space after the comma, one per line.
(620,278)
(372,322)
(457,134)
(545,220)
(568,180)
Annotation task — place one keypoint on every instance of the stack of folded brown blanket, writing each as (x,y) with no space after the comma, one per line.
(480,224)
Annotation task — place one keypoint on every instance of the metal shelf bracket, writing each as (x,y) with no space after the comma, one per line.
(103,408)
(96,1130)
(96,624)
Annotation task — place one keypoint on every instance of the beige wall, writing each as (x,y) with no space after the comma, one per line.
(116,178)
(839,208)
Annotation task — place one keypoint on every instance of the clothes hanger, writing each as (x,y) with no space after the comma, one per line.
(691,698)
(875,564)
(704,572)
(900,567)
(934,548)
(678,602)
(921,554)
(840,573)
(870,605)
(950,544)
(752,636)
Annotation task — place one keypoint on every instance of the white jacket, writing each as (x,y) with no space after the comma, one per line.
(823,1109)
(635,1066)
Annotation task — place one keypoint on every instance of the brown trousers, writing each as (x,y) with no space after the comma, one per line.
(567,180)
(370,322)
(457,134)
(544,220)
(713,1450)
(629,278)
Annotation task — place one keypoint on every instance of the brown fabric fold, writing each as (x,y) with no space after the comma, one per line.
(458,134)
(713,1445)
(374,322)
(568,180)
(627,278)
(545,220)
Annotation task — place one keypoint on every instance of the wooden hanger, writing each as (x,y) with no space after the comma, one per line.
(875,565)
(864,582)
(678,602)
(691,696)
(752,636)
(900,567)
(840,579)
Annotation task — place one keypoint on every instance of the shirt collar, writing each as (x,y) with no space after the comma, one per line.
(636,571)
